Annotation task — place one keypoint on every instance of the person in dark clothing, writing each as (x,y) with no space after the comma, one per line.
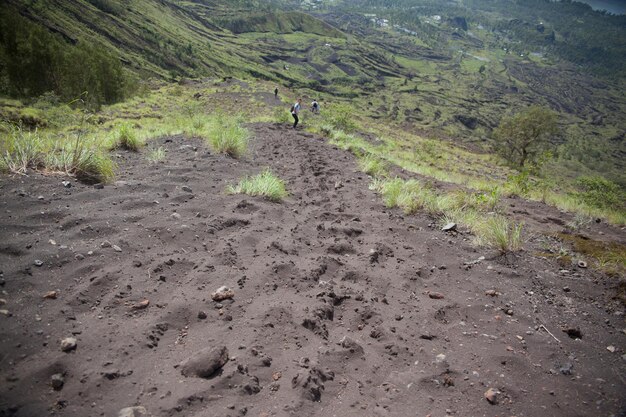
(295,109)
(276,93)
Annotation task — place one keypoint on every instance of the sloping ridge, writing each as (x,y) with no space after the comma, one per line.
(287,22)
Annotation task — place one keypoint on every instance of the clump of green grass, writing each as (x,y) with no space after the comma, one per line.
(156,155)
(373,166)
(265,184)
(281,115)
(82,158)
(21,149)
(497,232)
(227,135)
(127,138)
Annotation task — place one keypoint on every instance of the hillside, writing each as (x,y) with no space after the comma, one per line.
(340,305)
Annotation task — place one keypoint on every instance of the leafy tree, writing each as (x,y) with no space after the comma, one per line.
(522,138)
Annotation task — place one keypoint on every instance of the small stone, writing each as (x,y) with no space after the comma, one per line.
(117,248)
(51,295)
(79,256)
(5,312)
(352,345)
(105,244)
(573,332)
(133,412)
(566,289)
(222,293)
(98,186)
(491,395)
(40,197)
(141,305)
(449,227)
(566,369)
(57,381)
(68,344)
(509,312)
(38,262)
(202,315)
(440,358)
(582,264)
(137,263)
(175,216)
(492,293)
(66,184)
(277,375)
(205,363)
(611,349)
(186,189)
(338,185)
(436,295)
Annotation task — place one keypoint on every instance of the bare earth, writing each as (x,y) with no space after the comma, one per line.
(341,307)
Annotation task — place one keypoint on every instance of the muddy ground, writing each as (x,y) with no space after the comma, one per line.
(341,306)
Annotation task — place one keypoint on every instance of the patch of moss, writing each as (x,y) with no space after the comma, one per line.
(609,257)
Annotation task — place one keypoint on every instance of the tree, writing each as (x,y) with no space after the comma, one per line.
(522,138)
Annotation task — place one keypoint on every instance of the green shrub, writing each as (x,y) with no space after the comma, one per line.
(265,184)
(599,192)
(340,116)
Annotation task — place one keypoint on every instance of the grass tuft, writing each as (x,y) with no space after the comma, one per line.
(373,166)
(497,232)
(128,139)
(265,184)
(156,155)
(228,136)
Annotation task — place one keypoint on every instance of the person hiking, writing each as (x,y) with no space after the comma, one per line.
(276,92)
(315,107)
(295,109)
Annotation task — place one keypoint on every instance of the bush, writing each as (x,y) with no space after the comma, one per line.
(281,115)
(265,184)
(522,138)
(340,117)
(599,192)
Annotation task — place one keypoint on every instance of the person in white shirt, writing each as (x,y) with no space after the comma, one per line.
(295,109)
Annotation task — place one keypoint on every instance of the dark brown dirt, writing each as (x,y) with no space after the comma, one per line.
(341,308)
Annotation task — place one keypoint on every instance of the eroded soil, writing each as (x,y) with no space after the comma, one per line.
(341,308)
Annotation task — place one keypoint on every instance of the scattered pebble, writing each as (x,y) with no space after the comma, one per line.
(222,293)
(141,305)
(449,227)
(582,264)
(66,184)
(51,295)
(79,256)
(57,381)
(175,216)
(202,315)
(105,244)
(186,189)
(436,295)
(491,395)
(611,348)
(205,363)
(492,293)
(133,412)
(38,262)
(68,344)
(117,248)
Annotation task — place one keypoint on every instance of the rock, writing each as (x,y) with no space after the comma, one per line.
(105,244)
(492,293)
(352,345)
(449,227)
(38,262)
(51,295)
(137,263)
(574,332)
(611,349)
(57,381)
(98,186)
(222,293)
(40,197)
(205,363)
(5,312)
(175,216)
(79,256)
(116,248)
(68,344)
(141,305)
(582,264)
(566,369)
(202,315)
(133,412)
(186,189)
(491,395)
(440,358)
(338,185)
(436,295)
(66,184)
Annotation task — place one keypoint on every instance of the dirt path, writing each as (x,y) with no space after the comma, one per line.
(342,307)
